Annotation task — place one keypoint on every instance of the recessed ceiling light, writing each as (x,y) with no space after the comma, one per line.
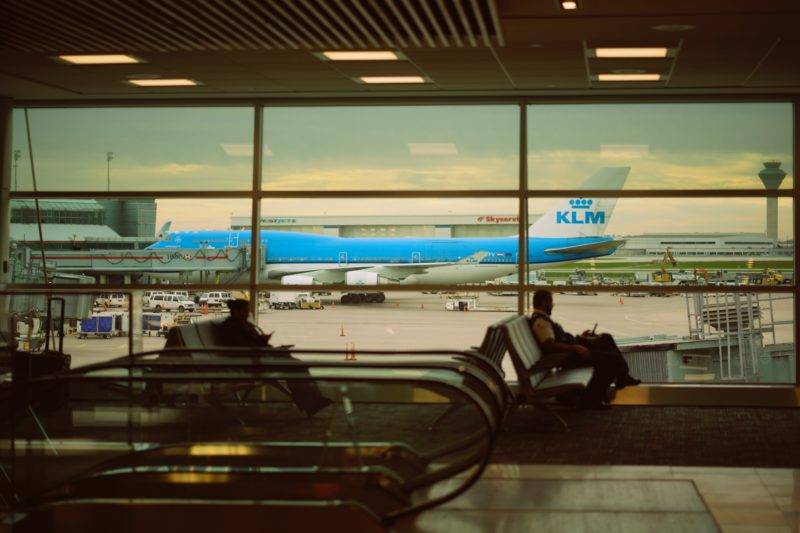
(392,79)
(629,77)
(673,27)
(569,4)
(163,82)
(376,55)
(631,52)
(100,59)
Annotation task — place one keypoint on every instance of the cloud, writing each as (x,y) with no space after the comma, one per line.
(564,169)
(177,168)
(462,173)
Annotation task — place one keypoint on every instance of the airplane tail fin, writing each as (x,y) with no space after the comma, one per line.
(583,217)
(163,233)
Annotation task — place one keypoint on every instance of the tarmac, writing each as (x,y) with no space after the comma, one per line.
(420,321)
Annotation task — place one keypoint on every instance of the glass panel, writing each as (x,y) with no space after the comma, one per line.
(666,146)
(117,149)
(370,320)
(664,241)
(391,148)
(383,241)
(140,240)
(690,338)
(96,326)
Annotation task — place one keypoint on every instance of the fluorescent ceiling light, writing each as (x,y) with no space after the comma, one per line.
(569,4)
(379,55)
(103,59)
(242,149)
(164,82)
(632,52)
(629,77)
(432,149)
(392,79)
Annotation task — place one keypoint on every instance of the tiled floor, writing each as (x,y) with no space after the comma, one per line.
(621,498)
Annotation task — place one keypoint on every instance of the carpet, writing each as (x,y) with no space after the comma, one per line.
(678,436)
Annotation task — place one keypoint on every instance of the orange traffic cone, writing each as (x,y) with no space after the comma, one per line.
(353,351)
(341,330)
(620,301)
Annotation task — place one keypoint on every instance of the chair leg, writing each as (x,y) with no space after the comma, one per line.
(510,410)
(549,410)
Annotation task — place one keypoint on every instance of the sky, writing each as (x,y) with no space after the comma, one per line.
(705,146)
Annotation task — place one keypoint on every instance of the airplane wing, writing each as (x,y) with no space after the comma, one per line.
(600,247)
(399,272)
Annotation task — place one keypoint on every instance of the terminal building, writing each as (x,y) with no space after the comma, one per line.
(438,407)
(440,226)
(69,224)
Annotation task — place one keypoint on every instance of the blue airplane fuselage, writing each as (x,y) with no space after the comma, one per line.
(292,247)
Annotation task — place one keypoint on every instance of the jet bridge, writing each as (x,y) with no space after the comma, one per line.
(160,260)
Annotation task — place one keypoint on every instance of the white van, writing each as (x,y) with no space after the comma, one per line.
(112,299)
(170,302)
(147,296)
(215,299)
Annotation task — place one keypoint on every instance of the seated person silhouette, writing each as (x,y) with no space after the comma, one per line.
(587,349)
(237,330)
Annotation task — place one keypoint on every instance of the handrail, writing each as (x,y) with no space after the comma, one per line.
(471,451)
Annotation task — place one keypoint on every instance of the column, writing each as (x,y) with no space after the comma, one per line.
(6,111)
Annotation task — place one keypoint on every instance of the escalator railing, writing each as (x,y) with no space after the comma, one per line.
(225,430)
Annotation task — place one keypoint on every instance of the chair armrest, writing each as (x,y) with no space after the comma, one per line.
(550,361)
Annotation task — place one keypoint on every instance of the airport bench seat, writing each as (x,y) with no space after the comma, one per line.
(538,382)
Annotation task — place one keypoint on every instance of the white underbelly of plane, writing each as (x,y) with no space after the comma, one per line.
(454,274)
(457,274)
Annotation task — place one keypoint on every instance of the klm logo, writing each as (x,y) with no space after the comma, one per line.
(580,214)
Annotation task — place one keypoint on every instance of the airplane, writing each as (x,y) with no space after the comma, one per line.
(572,230)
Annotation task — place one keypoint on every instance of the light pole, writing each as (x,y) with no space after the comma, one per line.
(17,155)
(203,271)
(109,157)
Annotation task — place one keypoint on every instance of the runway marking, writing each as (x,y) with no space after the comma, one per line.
(390,331)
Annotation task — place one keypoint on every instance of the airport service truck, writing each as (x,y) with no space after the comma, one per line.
(294,299)
(362,279)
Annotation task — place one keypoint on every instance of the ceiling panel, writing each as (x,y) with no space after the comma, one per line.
(556,66)
(375,68)
(624,30)
(624,8)
(173,25)
(781,68)
(455,68)
(268,46)
(717,63)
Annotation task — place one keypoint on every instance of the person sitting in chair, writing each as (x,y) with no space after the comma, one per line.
(587,349)
(237,330)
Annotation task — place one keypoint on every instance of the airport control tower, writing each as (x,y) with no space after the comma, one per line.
(771,177)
